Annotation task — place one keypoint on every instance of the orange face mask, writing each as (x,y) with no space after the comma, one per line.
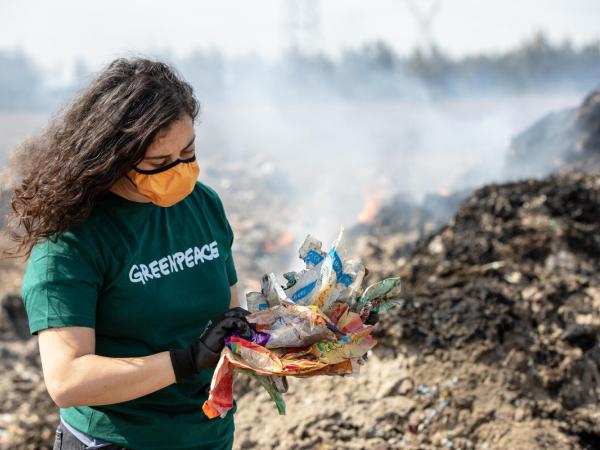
(167,185)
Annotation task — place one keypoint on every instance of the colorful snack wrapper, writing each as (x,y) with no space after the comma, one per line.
(291,326)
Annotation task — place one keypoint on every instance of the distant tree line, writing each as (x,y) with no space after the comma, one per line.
(374,71)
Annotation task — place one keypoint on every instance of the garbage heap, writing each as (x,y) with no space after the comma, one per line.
(559,141)
(495,344)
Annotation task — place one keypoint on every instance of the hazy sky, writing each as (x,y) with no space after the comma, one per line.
(55,32)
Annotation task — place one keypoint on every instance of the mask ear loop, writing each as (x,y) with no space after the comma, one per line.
(130,180)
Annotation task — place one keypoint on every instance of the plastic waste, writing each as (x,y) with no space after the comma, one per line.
(312,326)
(291,326)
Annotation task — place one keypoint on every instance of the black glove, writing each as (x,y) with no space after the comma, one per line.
(205,351)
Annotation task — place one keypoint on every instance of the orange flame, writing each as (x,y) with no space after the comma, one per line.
(371,208)
(443,192)
(282,242)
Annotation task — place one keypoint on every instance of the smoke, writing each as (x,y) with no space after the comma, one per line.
(336,151)
(370,125)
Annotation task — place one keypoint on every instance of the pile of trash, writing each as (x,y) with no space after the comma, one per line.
(560,141)
(495,343)
(317,324)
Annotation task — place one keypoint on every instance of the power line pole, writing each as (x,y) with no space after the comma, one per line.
(425,17)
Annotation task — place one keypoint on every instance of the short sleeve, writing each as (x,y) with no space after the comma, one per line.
(61,283)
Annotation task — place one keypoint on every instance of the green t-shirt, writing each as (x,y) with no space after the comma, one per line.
(148,279)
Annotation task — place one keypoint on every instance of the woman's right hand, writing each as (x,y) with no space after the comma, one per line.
(218,327)
(205,351)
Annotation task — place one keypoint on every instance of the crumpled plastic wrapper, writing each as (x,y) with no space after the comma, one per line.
(290,325)
(312,326)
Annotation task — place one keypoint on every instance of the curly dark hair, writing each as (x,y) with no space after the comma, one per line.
(97,139)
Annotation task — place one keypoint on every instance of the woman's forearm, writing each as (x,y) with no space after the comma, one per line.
(100,380)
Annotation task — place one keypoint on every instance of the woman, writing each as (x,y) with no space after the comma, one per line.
(129,257)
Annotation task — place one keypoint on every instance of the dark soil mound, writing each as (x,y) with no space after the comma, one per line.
(559,141)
